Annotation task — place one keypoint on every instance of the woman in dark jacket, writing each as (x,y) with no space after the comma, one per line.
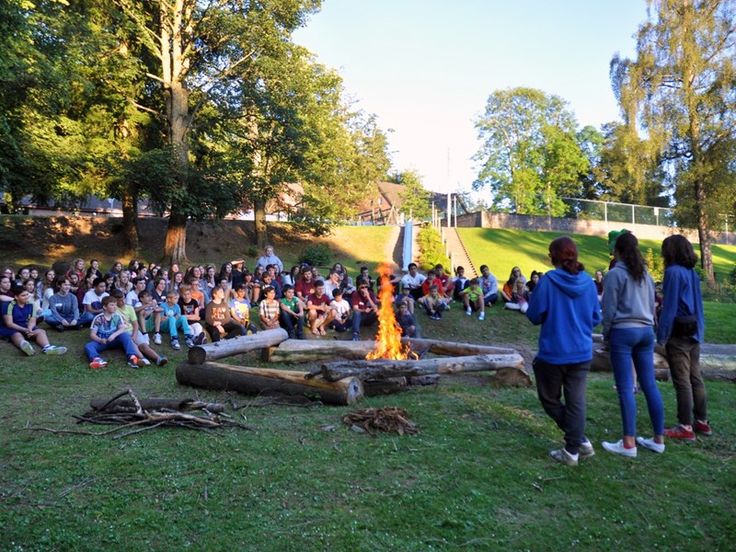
(565,303)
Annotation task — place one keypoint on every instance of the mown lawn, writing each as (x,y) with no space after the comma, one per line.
(477,475)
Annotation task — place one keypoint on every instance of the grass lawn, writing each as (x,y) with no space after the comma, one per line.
(477,475)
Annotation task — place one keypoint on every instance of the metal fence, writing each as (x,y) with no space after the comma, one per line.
(611,211)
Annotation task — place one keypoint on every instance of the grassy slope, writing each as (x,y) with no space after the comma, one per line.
(501,250)
(476,475)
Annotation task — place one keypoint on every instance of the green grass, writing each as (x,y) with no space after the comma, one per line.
(476,476)
(502,250)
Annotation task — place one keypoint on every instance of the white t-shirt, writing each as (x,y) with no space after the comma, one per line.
(95,301)
(131,298)
(341,308)
(413,281)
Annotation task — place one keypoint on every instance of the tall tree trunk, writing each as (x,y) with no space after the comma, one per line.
(130,220)
(259,216)
(175,242)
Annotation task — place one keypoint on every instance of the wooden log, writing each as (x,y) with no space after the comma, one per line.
(302,350)
(429,379)
(452,348)
(254,381)
(238,345)
(386,386)
(378,369)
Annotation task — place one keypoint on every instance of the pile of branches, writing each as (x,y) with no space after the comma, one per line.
(390,419)
(127,412)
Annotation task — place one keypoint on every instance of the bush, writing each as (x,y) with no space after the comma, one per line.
(316,255)
(655,265)
(431,249)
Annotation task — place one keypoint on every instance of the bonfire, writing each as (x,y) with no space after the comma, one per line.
(388,339)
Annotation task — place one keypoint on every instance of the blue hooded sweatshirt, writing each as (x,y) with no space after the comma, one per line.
(566,305)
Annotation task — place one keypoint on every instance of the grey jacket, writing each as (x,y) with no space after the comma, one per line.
(627,303)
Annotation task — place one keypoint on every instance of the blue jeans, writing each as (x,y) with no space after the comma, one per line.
(362,319)
(637,344)
(123,341)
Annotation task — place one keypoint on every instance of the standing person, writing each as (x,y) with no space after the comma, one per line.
(681,328)
(268,258)
(566,305)
(628,327)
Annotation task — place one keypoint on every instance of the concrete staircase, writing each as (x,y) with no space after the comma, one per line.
(457,252)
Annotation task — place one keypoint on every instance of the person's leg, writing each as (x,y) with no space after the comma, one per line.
(233,329)
(286,322)
(549,390)
(678,357)
(643,355)
(93,349)
(700,397)
(620,353)
(512,306)
(573,385)
(523,307)
(125,342)
(299,321)
(41,338)
(490,298)
(480,305)
(85,319)
(54,321)
(183,325)
(214,333)
(357,319)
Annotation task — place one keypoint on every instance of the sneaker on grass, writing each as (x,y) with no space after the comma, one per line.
(175,344)
(201,338)
(619,448)
(133,361)
(53,350)
(162,361)
(27,348)
(97,363)
(157,339)
(564,457)
(680,432)
(189,341)
(468,311)
(144,361)
(586,449)
(703,428)
(482,316)
(650,444)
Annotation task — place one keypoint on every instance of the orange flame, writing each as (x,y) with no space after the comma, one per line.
(388,338)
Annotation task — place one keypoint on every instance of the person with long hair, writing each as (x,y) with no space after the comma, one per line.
(628,327)
(565,303)
(681,328)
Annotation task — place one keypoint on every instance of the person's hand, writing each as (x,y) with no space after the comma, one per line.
(65,323)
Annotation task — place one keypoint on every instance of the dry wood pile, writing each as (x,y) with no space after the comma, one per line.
(390,419)
(132,415)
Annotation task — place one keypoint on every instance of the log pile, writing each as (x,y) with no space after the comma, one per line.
(372,420)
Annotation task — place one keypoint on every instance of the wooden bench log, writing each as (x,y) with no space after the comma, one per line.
(452,348)
(379,369)
(254,381)
(302,350)
(386,386)
(238,345)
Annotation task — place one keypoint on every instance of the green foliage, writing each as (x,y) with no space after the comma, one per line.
(416,200)
(655,265)
(431,248)
(316,255)
(530,154)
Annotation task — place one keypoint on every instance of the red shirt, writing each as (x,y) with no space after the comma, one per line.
(318,300)
(359,301)
(436,282)
(304,289)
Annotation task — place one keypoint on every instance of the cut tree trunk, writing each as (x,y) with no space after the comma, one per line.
(238,345)
(175,243)
(386,386)
(259,220)
(302,350)
(256,381)
(451,348)
(379,369)
(130,220)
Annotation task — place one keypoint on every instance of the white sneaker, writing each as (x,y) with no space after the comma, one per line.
(564,457)
(144,361)
(619,448)
(27,348)
(650,444)
(157,339)
(54,350)
(468,311)
(482,316)
(586,449)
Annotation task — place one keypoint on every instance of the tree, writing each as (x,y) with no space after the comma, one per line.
(680,90)
(530,156)
(416,200)
(198,51)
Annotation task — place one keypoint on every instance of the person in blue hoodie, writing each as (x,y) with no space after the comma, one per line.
(565,303)
(681,327)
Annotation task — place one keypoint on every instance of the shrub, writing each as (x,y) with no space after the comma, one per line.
(431,249)
(316,255)
(655,265)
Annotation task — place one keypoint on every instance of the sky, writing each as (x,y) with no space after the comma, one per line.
(427,67)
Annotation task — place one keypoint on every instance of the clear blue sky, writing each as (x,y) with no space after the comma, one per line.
(427,67)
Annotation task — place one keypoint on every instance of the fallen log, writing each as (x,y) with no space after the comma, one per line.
(238,345)
(386,386)
(254,381)
(429,379)
(302,350)
(380,369)
(452,348)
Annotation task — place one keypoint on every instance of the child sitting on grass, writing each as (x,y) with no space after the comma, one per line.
(269,309)
(472,297)
(63,308)
(434,304)
(405,298)
(19,325)
(172,320)
(149,315)
(218,321)
(108,332)
(140,339)
(519,297)
(407,321)
(190,309)
(240,307)
(319,312)
(340,311)
(292,313)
